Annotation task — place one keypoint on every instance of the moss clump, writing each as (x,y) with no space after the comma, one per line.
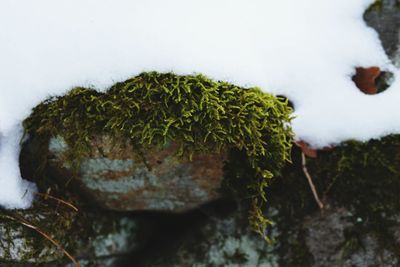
(200,115)
(362,177)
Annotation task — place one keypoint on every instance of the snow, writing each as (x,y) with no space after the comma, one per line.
(306,50)
(14,192)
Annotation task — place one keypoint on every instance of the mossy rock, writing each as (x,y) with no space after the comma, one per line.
(152,110)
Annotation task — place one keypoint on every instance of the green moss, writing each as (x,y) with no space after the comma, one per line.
(200,115)
(362,177)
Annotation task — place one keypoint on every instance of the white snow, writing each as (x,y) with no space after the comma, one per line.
(304,49)
(14,192)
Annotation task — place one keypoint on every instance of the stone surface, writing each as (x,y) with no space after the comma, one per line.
(385,19)
(219,242)
(326,241)
(116,178)
(228,241)
(103,239)
(325,235)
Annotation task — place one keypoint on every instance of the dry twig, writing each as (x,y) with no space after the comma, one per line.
(310,182)
(45,196)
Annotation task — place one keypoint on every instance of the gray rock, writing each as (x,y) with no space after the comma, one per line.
(325,235)
(116,178)
(220,242)
(372,254)
(103,239)
(326,242)
(384,17)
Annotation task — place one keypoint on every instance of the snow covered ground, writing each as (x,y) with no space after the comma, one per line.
(305,49)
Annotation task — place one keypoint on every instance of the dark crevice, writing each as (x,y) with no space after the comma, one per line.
(173,229)
(384,80)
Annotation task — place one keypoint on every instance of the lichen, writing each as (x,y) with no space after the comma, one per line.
(200,115)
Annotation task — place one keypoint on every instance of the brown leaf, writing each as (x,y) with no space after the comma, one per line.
(365,79)
(307,150)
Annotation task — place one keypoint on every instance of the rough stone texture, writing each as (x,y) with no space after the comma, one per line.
(326,242)
(228,241)
(117,178)
(16,244)
(385,19)
(220,242)
(325,235)
(371,255)
(20,248)
(112,237)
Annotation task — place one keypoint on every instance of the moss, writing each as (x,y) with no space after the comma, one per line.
(200,115)
(362,177)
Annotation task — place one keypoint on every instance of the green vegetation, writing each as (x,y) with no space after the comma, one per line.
(363,178)
(200,115)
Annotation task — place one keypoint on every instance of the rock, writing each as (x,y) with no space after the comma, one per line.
(384,17)
(327,241)
(116,178)
(322,239)
(221,241)
(15,247)
(325,234)
(90,238)
(371,255)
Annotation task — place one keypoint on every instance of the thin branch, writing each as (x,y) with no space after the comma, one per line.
(58,199)
(26,223)
(310,182)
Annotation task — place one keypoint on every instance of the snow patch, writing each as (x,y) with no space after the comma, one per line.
(14,192)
